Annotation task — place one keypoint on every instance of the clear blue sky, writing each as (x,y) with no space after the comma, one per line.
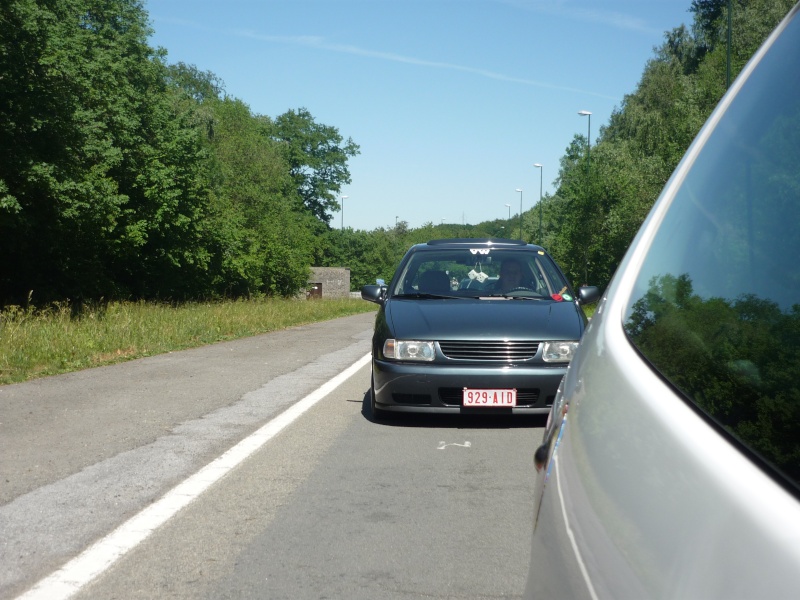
(451,101)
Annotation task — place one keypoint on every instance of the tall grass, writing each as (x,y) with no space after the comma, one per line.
(35,343)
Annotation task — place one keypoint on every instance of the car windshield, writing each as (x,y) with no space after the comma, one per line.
(479,273)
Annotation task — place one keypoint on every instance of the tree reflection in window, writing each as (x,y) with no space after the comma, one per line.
(737,360)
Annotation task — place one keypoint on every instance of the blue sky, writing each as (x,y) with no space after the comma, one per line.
(451,101)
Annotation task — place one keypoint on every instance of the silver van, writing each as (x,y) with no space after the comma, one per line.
(670,465)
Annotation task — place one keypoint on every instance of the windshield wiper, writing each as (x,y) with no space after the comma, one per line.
(513,296)
(425,295)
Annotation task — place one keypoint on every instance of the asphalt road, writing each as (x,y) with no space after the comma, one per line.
(334,506)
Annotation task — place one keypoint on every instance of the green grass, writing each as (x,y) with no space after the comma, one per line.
(589,310)
(37,343)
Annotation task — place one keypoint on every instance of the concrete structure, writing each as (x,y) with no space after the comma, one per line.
(329,282)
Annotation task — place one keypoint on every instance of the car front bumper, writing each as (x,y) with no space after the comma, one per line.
(436,388)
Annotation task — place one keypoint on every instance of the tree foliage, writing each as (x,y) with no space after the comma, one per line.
(262,237)
(599,206)
(317,157)
(124,177)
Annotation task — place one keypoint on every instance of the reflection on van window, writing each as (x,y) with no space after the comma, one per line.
(738,360)
(716,308)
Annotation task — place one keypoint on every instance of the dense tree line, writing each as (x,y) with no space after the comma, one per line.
(122,176)
(603,195)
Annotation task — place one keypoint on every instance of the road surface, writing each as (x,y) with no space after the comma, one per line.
(331,505)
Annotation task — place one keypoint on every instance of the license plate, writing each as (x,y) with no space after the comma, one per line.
(490,398)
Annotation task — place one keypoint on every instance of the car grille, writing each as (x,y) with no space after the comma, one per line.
(504,351)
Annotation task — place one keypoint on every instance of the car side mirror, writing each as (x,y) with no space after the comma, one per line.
(373,293)
(588,294)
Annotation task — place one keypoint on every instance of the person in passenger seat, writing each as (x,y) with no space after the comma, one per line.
(434,282)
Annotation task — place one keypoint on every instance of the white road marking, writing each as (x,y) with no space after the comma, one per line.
(70,578)
(442,445)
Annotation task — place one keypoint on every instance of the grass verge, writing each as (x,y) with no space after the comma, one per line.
(38,343)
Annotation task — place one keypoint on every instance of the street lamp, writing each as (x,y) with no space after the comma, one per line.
(586,113)
(520,211)
(509,211)
(541,175)
(343,199)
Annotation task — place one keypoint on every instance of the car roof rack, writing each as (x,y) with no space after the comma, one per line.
(474,241)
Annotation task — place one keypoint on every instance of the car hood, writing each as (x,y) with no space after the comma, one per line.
(474,319)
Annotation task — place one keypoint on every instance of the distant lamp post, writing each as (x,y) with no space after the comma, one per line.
(343,199)
(508,206)
(541,175)
(520,211)
(586,113)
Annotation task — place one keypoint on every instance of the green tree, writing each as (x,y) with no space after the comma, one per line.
(317,157)
(200,86)
(263,235)
(98,179)
(369,255)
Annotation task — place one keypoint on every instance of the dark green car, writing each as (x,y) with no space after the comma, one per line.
(474,325)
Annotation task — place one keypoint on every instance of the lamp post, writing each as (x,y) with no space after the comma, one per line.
(520,211)
(541,175)
(509,211)
(343,199)
(586,113)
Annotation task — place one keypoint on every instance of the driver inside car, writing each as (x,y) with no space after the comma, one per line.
(510,276)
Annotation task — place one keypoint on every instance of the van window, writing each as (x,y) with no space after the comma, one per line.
(716,307)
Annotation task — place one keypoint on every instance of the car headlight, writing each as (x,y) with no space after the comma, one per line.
(409,350)
(559,352)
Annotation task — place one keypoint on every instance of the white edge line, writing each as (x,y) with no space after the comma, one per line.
(571,536)
(75,574)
